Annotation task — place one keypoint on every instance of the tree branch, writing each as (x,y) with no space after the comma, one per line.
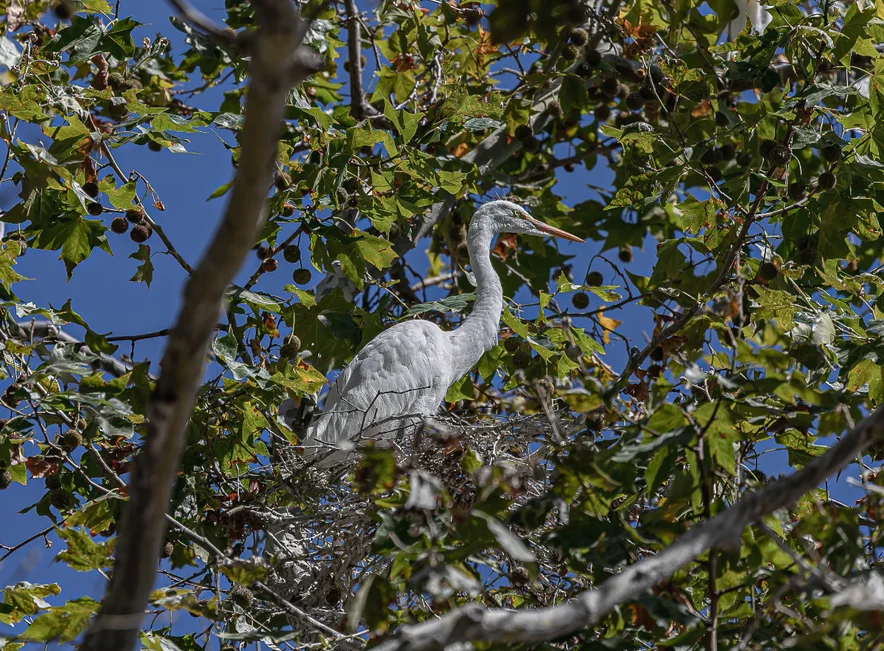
(474,623)
(277,62)
(358,106)
(47,330)
(203,23)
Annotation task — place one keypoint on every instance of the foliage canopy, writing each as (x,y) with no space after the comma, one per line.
(746,173)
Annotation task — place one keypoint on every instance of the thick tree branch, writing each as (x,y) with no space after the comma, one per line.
(474,623)
(277,62)
(358,106)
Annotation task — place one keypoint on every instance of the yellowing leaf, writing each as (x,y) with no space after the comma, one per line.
(608,326)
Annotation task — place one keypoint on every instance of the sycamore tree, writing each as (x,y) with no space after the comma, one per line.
(582,487)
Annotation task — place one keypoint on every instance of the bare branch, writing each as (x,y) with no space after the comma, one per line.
(358,106)
(203,23)
(50,331)
(277,62)
(474,623)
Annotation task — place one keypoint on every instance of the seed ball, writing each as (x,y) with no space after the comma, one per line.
(270,265)
(521,359)
(119,225)
(744,159)
(353,202)
(797,191)
(765,146)
(593,57)
(714,173)
(595,420)
(62,10)
(472,18)
(168,549)
(130,84)
(135,215)
(115,79)
(60,499)
(594,278)
(511,344)
(140,233)
(531,145)
(571,52)
(568,167)
(609,86)
(288,209)
(5,480)
(153,145)
(807,256)
(523,132)
(721,119)
(241,596)
(768,271)
(779,155)
(91,189)
(262,251)
(71,440)
(282,182)
(579,36)
(94,208)
(625,254)
(657,354)
(709,157)
(727,152)
(291,253)
(647,94)
(302,276)
(602,112)
(573,352)
(831,153)
(827,181)
(554,109)
(804,242)
(634,102)
(289,350)
(580,300)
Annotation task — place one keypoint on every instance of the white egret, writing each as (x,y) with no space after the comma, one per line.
(403,374)
(752,12)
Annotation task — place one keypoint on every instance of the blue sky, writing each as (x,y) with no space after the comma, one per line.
(100,289)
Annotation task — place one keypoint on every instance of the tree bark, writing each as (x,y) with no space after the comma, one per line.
(277,63)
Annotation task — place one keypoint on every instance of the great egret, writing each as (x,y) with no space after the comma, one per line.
(752,12)
(402,375)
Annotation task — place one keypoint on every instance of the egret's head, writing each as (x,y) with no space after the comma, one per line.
(507,217)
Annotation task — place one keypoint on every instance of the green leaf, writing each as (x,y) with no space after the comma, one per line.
(457,303)
(573,94)
(406,123)
(300,379)
(244,571)
(82,553)
(144,272)
(62,623)
(75,236)
(375,250)
(9,251)
(120,197)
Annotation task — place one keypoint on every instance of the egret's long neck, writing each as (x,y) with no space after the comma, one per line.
(479,331)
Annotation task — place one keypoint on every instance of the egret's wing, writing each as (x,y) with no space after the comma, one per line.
(402,372)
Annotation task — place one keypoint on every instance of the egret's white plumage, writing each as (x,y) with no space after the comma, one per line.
(752,12)
(403,374)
